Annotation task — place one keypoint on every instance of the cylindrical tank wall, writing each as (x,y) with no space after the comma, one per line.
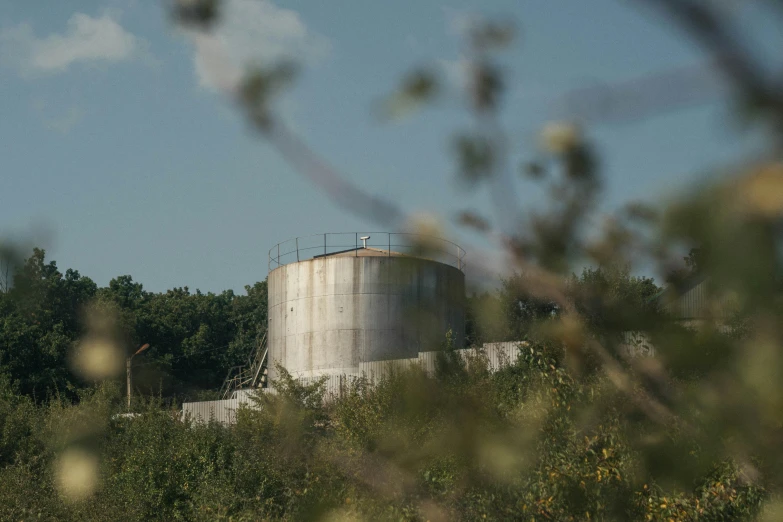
(327,315)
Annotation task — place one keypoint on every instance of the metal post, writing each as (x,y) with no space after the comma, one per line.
(356,245)
(297,250)
(128,362)
(128,378)
(389,244)
(278,255)
(324,244)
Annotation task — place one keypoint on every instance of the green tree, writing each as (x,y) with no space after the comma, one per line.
(42,318)
(611,301)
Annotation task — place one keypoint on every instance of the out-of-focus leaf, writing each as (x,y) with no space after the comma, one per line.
(611,248)
(473,220)
(761,191)
(420,85)
(417,88)
(486,86)
(560,137)
(199,14)
(489,35)
(580,163)
(259,88)
(533,170)
(641,212)
(475,156)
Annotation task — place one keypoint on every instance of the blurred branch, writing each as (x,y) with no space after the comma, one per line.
(639,98)
(196,14)
(485,89)
(624,382)
(484,156)
(721,40)
(341,191)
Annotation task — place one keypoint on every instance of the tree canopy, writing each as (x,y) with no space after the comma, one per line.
(195,337)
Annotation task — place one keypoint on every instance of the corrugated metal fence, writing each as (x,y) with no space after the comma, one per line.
(223,411)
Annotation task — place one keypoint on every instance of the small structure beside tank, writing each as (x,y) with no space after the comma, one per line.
(497,356)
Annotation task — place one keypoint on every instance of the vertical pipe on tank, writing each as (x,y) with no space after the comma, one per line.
(297,250)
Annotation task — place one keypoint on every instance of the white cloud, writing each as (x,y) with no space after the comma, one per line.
(85,40)
(252,31)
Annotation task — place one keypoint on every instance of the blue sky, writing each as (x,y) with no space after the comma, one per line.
(121,155)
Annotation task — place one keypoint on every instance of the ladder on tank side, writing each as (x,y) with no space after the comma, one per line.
(252,374)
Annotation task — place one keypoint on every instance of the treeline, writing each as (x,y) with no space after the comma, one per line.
(608,299)
(194,337)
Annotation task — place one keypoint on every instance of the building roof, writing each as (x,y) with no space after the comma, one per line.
(363,252)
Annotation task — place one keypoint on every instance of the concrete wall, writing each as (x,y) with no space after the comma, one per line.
(329,315)
(495,355)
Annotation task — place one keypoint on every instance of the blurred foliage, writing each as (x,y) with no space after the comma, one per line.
(259,88)
(575,428)
(197,14)
(476,156)
(417,87)
(608,299)
(526,442)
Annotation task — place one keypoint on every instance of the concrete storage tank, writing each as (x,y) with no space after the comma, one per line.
(339,300)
